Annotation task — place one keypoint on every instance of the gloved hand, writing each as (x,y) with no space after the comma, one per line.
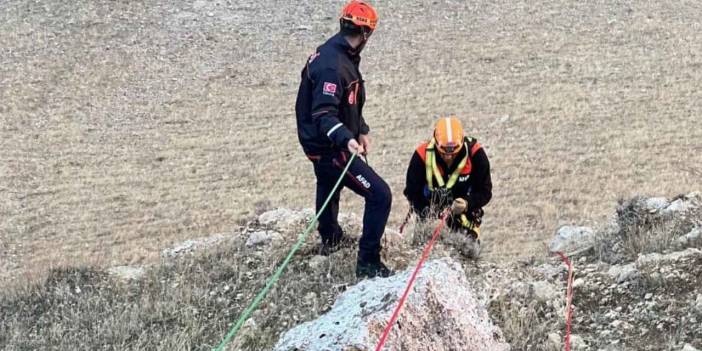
(459,206)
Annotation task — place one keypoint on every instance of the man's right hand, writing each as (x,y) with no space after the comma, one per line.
(355,147)
(459,206)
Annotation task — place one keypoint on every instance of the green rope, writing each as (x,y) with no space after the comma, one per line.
(278,272)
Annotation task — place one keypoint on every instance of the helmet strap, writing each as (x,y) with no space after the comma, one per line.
(347,27)
(350,29)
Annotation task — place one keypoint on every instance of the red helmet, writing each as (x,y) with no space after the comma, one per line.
(361,14)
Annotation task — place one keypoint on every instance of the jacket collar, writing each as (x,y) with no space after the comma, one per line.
(340,42)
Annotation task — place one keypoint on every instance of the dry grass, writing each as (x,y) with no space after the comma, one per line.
(640,230)
(191,302)
(126,126)
(525,324)
(187,303)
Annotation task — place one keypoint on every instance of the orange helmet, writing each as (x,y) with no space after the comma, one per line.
(448,134)
(361,14)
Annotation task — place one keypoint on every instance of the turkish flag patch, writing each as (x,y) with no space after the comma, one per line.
(329,89)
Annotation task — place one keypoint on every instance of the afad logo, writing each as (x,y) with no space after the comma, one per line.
(463,178)
(352,98)
(363,181)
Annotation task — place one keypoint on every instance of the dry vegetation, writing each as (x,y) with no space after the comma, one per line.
(674,285)
(126,126)
(186,303)
(191,301)
(639,230)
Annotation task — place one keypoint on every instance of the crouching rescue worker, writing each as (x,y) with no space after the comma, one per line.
(330,127)
(451,170)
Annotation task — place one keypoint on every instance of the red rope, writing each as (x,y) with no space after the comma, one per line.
(425,255)
(569,299)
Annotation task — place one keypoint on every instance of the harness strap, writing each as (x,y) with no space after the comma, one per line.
(432,169)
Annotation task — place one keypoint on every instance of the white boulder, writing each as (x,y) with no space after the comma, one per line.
(622,273)
(571,239)
(654,204)
(284,219)
(441,313)
(679,205)
(189,246)
(263,237)
(691,238)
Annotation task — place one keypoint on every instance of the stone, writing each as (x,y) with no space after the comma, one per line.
(691,238)
(654,204)
(284,219)
(550,271)
(688,347)
(127,272)
(623,273)
(543,291)
(554,341)
(189,246)
(441,293)
(679,205)
(263,237)
(572,239)
(656,259)
(463,243)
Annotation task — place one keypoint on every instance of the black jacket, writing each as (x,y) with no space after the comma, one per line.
(330,98)
(476,187)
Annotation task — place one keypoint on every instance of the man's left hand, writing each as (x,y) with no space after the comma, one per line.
(364,139)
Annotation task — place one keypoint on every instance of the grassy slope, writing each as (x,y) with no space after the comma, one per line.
(127,126)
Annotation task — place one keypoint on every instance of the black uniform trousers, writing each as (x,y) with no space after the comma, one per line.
(362,180)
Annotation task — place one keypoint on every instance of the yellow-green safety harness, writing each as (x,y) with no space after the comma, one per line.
(432,171)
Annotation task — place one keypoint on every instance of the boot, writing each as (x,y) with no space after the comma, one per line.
(472,245)
(372,270)
(328,247)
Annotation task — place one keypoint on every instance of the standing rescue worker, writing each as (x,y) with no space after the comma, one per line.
(451,170)
(330,127)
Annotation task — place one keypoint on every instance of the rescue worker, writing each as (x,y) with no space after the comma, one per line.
(451,170)
(330,127)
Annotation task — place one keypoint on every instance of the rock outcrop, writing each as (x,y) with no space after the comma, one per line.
(441,313)
(572,239)
(283,219)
